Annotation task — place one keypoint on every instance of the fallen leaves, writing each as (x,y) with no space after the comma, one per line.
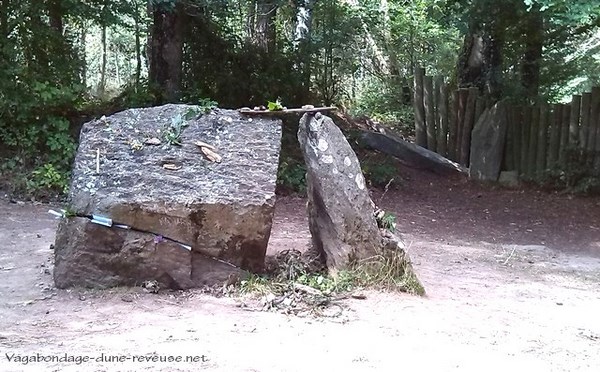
(171,166)
(209,151)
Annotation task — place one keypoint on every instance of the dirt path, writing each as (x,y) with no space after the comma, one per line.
(513,282)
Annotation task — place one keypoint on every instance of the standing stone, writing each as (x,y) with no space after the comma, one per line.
(340,211)
(487,144)
(218,199)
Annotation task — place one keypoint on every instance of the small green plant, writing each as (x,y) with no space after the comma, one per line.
(275,106)
(254,284)
(388,271)
(47,179)
(379,173)
(292,175)
(192,113)
(70,212)
(172,134)
(386,220)
(207,105)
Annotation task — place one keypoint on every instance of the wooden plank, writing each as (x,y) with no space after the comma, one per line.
(564,136)
(429,112)
(515,119)
(554,136)
(542,144)
(419,108)
(533,141)
(513,138)
(452,125)
(468,126)
(525,135)
(463,95)
(442,117)
(509,147)
(593,121)
(246,111)
(584,129)
(480,105)
(574,121)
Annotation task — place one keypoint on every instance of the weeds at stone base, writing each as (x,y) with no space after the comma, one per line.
(299,283)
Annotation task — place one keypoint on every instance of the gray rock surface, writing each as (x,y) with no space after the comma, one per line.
(487,144)
(340,211)
(222,209)
(90,255)
(509,179)
(410,154)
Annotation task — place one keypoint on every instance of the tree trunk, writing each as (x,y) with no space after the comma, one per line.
(302,32)
(55,14)
(480,62)
(102,83)
(251,20)
(4,10)
(265,32)
(82,47)
(166,54)
(530,69)
(138,46)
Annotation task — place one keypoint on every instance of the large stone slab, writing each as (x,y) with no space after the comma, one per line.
(487,144)
(410,154)
(90,255)
(340,211)
(221,209)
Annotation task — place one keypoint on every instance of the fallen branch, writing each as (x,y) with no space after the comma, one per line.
(510,255)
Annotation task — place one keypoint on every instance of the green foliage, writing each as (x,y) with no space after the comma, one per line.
(47,180)
(275,106)
(388,271)
(379,173)
(135,95)
(578,176)
(384,103)
(385,220)
(207,105)
(291,175)
(172,133)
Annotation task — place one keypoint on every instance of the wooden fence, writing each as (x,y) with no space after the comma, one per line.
(539,138)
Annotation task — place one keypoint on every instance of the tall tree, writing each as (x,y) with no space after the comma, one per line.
(166,51)
(533,27)
(265,35)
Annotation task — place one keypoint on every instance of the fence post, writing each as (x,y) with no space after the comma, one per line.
(429,112)
(419,109)
(595,128)
(516,133)
(468,126)
(442,117)
(525,134)
(533,141)
(574,121)
(463,94)
(554,143)
(584,130)
(564,136)
(542,138)
(452,125)
(513,139)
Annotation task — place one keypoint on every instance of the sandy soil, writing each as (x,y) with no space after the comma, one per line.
(512,280)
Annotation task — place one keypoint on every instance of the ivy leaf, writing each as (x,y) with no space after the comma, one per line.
(274,106)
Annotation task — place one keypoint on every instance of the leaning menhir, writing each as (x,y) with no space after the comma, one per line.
(189,198)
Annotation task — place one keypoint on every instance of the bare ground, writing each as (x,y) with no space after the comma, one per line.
(512,280)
